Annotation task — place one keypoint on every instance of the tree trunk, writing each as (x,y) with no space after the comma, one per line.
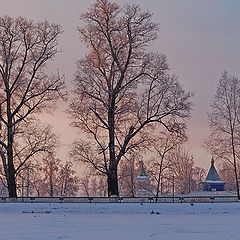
(112,181)
(11,181)
(158,185)
(237,183)
(50,186)
(11,171)
(236,178)
(235,162)
(132,180)
(28,181)
(112,174)
(159,178)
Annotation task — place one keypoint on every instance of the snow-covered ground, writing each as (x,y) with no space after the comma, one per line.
(115,221)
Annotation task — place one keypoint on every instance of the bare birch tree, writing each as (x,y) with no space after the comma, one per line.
(121,90)
(25,88)
(224,122)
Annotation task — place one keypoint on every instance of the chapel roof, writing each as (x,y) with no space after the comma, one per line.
(213,174)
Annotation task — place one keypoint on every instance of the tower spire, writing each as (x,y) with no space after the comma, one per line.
(142,171)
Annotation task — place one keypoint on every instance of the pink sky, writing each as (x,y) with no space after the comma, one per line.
(200,39)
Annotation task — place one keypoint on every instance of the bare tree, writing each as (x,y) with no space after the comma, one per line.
(127,175)
(92,183)
(68,181)
(84,184)
(122,92)
(183,172)
(163,145)
(25,88)
(24,181)
(199,175)
(50,169)
(48,177)
(224,122)
(226,172)
(32,140)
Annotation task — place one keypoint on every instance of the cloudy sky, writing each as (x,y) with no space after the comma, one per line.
(200,39)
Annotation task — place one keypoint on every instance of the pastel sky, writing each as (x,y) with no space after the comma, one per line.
(199,38)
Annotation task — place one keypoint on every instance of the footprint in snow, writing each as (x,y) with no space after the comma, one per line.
(63,237)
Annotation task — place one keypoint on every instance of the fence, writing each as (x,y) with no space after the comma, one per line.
(162,199)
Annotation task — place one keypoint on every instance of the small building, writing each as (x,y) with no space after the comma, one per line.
(213,182)
(142,183)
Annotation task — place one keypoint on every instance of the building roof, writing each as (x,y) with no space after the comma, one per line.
(212,174)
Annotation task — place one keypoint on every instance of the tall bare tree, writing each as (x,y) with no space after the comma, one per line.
(122,91)
(25,88)
(224,122)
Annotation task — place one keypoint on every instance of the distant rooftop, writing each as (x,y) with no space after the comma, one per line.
(212,174)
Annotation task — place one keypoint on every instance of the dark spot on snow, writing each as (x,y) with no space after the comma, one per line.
(152,212)
(46,212)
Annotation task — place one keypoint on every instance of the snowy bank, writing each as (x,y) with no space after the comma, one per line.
(119,221)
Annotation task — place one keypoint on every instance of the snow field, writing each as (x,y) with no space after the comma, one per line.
(119,221)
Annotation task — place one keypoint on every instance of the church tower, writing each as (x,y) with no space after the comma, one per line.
(213,182)
(142,183)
